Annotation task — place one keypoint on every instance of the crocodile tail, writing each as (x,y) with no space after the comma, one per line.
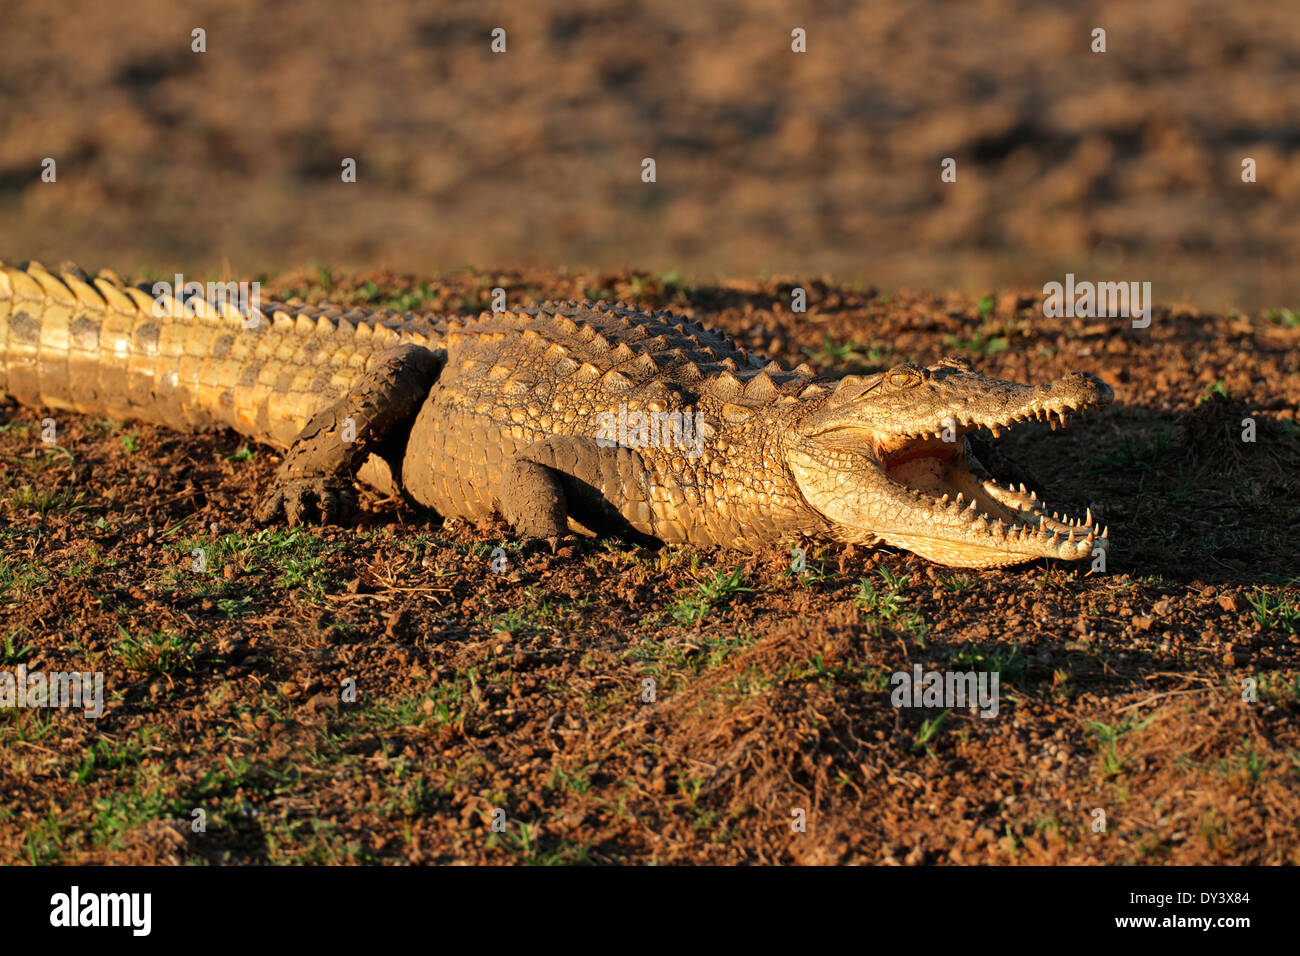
(98,346)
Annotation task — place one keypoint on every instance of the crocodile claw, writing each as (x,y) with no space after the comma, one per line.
(550,545)
(299,500)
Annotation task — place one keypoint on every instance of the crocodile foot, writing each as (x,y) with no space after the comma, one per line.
(549,545)
(299,500)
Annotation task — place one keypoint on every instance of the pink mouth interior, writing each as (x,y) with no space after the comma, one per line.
(940,450)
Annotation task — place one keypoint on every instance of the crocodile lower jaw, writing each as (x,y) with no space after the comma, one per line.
(978,522)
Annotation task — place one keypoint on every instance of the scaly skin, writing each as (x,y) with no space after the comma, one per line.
(513,414)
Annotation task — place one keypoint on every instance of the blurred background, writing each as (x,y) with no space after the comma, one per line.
(1119,166)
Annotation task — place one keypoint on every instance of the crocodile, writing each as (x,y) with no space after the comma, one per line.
(563,418)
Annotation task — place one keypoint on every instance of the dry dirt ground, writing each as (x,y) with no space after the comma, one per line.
(522,691)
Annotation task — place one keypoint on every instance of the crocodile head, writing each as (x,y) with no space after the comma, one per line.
(885,458)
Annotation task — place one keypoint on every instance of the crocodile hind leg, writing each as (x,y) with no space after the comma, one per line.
(562,478)
(315,478)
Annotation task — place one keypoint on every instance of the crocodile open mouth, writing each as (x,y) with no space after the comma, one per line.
(939,466)
(890,459)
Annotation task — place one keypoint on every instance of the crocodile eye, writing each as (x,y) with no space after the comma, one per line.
(904,376)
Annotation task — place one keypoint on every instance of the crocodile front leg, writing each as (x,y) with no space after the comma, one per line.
(601,488)
(534,503)
(316,475)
